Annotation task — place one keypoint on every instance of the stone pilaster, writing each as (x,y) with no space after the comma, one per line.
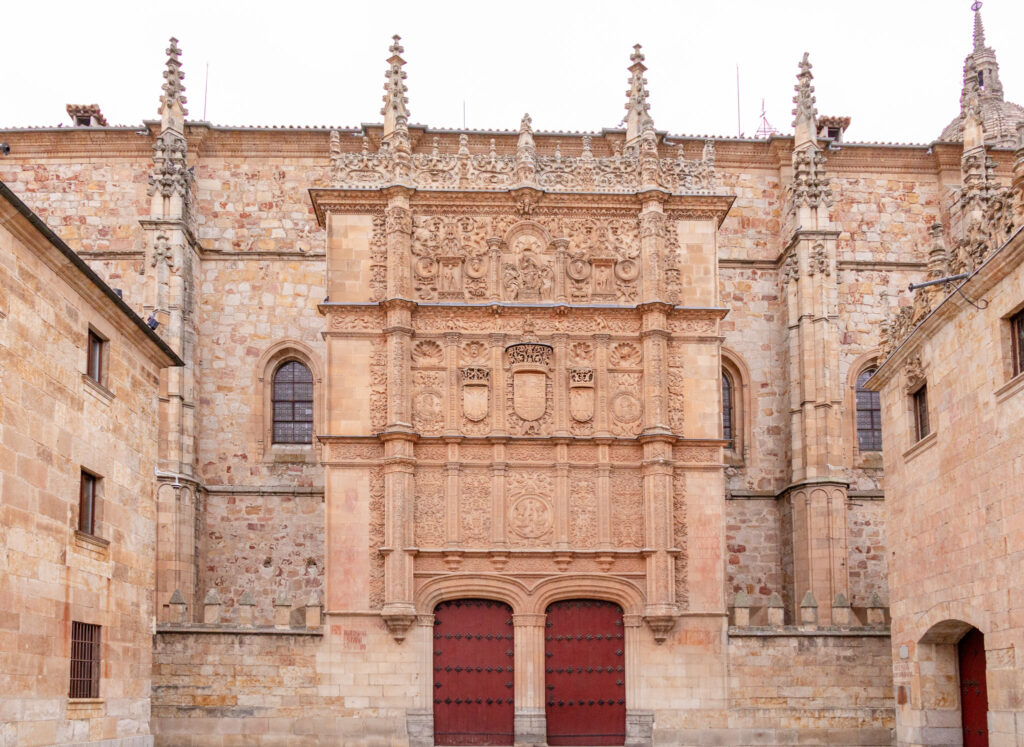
(530,722)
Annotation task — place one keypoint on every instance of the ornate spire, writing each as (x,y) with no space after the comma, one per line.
(637,106)
(526,153)
(805,114)
(979,29)
(395,100)
(173,88)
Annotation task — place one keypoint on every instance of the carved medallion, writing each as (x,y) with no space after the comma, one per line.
(581,394)
(530,363)
(428,411)
(530,516)
(626,407)
(476,388)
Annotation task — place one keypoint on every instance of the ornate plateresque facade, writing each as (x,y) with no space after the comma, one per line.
(611,379)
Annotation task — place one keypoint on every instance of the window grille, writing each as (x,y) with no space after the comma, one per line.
(85,661)
(869,415)
(293,404)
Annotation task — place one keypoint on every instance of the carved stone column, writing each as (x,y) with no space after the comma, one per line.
(494,267)
(398,237)
(655,335)
(601,373)
(660,613)
(639,722)
(499,426)
(561,259)
(419,721)
(561,384)
(530,720)
(652,245)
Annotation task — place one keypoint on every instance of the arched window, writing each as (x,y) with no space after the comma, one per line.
(727,409)
(869,415)
(293,404)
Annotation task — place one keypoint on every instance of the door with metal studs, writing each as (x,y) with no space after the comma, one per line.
(474,671)
(585,673)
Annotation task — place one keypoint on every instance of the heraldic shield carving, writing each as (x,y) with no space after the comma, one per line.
(581,394)
(476,387)
(529,363)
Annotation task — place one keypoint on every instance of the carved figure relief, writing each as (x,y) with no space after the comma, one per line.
(530,513)
(528,275)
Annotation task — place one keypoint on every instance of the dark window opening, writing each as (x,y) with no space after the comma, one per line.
(833,133)
(921,412)
(83,121)
(85,661)
(727,410)
(869,415)
(293,404)
(94,362)
(981,78)
(87,504)
(1017,330)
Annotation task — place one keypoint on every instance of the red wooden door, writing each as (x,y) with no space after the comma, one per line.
(973,690)
(585,673)
(473,673)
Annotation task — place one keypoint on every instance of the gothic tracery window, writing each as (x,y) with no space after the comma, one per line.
(293,404)
(869,415)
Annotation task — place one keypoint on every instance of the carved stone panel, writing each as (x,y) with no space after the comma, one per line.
(679,536)
(582,509)
(627,503)
(429,512)
(529,365)
(530,507)
(376,537)
(428,401)
(475,507)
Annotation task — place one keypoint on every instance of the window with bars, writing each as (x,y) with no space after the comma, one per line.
(87,503)
(921,412)
(1017,330)
(293,404)
(85,661)
(869,415)
(94,359)
(727,409)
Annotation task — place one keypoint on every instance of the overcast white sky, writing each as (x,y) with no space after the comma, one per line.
(894,66)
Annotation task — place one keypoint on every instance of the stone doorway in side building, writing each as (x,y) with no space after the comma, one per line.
(973,688)
(474,671)
(585,673)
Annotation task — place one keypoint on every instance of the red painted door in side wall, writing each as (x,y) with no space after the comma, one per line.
(973,689)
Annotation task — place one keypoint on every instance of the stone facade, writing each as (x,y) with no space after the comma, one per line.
(516,342)
(955,486)
(56,422)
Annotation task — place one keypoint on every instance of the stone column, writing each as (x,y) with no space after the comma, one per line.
(655,336)
(419,721)
(652,245)
(530,720)
(660,612)
(561,246)
(398,238)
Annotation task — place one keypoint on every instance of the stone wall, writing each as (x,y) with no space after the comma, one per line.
(753,544)
(868,566)
(267,543)
(56,422)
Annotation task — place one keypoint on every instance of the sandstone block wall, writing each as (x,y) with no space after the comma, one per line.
(54,423)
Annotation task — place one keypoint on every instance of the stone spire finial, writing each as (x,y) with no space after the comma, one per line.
(526,152)
(979,28)
(805,114)
(637,106)
(173,88)
(395,111)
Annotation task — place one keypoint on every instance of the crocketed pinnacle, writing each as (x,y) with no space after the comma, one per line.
(173,88)
(395,89)
(805,113)
(637,105)
(979,30)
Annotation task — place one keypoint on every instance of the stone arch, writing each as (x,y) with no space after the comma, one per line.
(272,358)
(947,622)
(624,593)
(508,590)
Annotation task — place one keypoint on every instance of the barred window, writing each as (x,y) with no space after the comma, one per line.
(85,661)
(727,409)
(869,415)
(293,404)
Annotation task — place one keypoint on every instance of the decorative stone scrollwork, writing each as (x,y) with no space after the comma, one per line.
(428,401)
(530,513)
(427,353)
(913,371)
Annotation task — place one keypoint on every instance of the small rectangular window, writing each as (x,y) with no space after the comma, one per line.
(85,661)
(921,412)
(87,504)
(94,360)
(1017,330)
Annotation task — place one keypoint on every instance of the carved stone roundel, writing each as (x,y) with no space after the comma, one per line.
(530,516)
(626,407)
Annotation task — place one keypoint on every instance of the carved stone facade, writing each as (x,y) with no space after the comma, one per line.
(517,343)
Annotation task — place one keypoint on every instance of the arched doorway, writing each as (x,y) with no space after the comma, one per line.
(585,673)
(474,672)
(973,689)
